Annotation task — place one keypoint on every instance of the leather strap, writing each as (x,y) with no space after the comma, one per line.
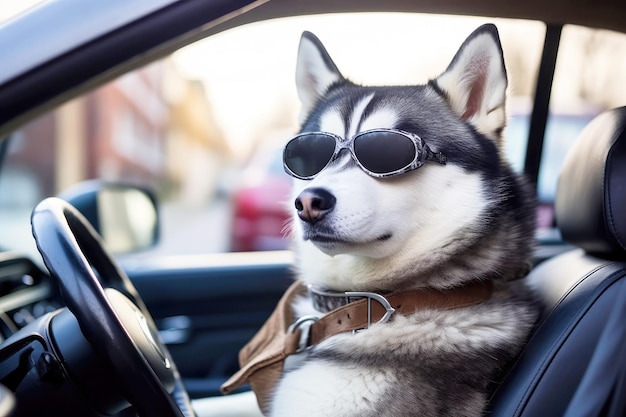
(270,344)
(261,360)
(353,316)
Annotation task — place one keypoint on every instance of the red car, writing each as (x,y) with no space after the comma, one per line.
(261,203)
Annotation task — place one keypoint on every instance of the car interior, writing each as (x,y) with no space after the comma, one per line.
(88,333)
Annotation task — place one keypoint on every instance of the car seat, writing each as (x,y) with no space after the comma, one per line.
(574,365)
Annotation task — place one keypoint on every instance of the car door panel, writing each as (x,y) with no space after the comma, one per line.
(207,307)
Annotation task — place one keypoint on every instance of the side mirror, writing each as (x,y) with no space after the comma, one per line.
(124,215)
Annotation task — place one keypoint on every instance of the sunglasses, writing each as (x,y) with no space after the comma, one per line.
(380,153)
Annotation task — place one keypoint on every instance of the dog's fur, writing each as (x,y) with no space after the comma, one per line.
(438,226)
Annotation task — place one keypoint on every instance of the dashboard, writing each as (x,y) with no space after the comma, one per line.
(26,294)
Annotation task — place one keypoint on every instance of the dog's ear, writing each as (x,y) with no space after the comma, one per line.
(475,82)
(315,72)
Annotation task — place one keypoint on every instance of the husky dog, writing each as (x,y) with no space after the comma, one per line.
(400,188)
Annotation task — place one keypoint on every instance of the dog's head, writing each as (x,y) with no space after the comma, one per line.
(393,182)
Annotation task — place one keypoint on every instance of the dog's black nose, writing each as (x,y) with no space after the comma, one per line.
(314,203)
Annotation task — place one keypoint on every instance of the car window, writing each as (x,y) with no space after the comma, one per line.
(584,85)
(204,127)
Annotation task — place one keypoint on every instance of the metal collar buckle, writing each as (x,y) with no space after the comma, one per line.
(326,301)
(304,323)
(372,296)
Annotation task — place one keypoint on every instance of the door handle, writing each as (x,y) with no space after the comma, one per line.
(175,330)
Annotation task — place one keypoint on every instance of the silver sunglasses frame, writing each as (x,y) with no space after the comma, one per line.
(422,152)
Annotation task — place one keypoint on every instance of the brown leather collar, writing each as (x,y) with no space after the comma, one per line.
(357,312)
(262,359)
(325,300)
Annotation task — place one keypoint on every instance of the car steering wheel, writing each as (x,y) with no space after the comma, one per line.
(111,315)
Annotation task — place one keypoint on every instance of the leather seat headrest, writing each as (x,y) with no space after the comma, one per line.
(590,202)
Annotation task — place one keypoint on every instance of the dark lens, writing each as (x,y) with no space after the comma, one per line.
(306,155)
(384,152)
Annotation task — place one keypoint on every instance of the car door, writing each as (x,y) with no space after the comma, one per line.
(208,307)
